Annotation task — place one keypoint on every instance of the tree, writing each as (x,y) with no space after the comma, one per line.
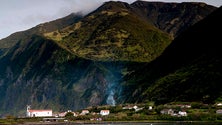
(69,115)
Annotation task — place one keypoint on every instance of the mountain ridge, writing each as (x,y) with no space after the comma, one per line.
(40,29)
(39,70)
(189,12)
(93,42)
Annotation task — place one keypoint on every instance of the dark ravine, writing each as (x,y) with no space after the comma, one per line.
(40,67)
(188,70)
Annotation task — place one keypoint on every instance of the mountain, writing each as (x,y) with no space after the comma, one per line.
(39,72)
(188,70)
(172,18)
(119,30)
(81,61)
(115,34)
(40,29)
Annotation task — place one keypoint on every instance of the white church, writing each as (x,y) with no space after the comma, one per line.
(38,113)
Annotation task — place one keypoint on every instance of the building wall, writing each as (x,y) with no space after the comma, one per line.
(104,112)
(40,114)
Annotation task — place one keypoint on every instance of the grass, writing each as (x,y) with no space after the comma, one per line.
(113,36)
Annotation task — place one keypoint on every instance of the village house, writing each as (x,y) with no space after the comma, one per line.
(62,114)
(173,113)
(184,106)
(38,113)
(181,113)
(167,112)
(128,107)
(136,108)
(219,111)
(219,104)
(104,112)
(84,112)
(150,107)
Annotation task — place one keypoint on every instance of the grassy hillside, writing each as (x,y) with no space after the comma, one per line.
(115,34)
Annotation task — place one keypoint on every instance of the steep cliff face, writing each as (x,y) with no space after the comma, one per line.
(172,18)
(75,62)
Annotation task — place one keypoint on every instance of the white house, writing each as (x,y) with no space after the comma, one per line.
(181,113)
(104,112)
(128,107)
(38,113)
(150,107)
(84,112)
(135,107)
(62,114)
(138,109)
(167,111)
(219,111)
(219,104)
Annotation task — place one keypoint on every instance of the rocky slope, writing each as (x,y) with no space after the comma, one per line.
(172,18)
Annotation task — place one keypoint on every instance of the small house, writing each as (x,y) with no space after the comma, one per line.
(84,112)
(181,113)
(219,104)
(167,111)
(62,114)
(219,111)
(150,107)
(104,112)
(38,113)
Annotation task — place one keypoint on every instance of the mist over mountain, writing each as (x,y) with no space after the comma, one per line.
(97,59)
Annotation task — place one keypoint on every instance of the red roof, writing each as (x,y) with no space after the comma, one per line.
(49,110)
(104,110)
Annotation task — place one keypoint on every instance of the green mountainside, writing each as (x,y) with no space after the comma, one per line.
(81,61)
(114,34)
(188,70)
(47,76)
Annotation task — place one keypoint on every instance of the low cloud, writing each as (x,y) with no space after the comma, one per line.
(17,15)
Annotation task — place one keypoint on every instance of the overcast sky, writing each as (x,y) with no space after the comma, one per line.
(18,15)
